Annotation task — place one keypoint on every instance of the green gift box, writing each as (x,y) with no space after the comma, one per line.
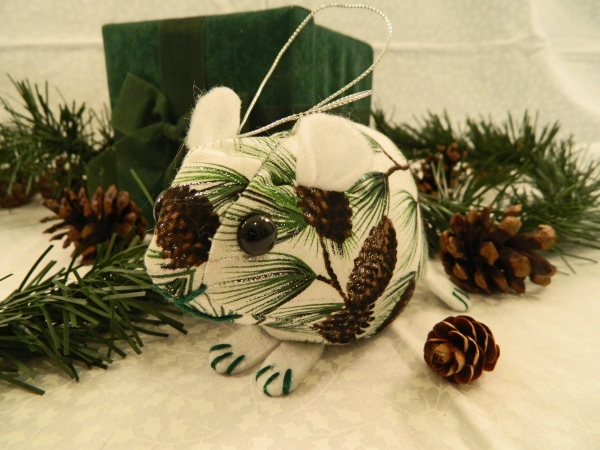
(156,69)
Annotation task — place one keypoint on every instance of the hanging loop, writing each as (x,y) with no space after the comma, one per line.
(329,103)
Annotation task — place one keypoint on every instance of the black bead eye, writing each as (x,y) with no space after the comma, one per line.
(158,204)
(257,234)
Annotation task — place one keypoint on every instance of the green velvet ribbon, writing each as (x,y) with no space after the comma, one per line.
(148,138)
(175,59)
(149,124)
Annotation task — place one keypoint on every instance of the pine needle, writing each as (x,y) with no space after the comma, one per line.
(510,163)
(45,149)
(83,320)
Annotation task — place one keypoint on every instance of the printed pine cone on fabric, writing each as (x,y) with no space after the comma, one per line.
(481,256)
(186,226)
(328,212)
(89,223)
(460,349)
(370,276)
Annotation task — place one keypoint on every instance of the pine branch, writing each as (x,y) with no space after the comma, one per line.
(47,150)
(507,164)
(417,142)
(68,318)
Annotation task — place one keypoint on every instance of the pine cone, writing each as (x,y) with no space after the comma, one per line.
(185,228)
(18,195)
(481,256)
(374,265)
(327,211)
(89,223)
(460,349)
(372,272)
(346,324)
(449,157)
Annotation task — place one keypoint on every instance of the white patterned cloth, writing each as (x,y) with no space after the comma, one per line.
(339,257)
(376,393)
(470,58)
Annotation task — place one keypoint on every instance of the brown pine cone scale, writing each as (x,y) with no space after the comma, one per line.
(18,195)
(460,349)
(480,255)
(374,265)
(345,325)
(450,158)
(88,223)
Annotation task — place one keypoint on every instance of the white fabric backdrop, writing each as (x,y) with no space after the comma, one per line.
(467,56)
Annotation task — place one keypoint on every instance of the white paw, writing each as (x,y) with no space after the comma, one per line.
(460,300)
(440,285)
(286,367)
(242,350)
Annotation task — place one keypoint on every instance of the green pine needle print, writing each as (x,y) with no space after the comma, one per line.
(375,146)
(278,202)
(410,224)
(257,147)
(385,304)
(199,304)
(175,283)
(297,319)
(369,198)
(281,167)
(221,184)
(258,286)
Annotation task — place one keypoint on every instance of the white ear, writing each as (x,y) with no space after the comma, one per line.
(216,117)
(333,154)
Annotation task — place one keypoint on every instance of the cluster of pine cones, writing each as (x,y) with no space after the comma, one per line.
(329,213)
(370,276)
(429,176)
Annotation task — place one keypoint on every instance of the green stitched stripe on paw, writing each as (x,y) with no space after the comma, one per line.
(269,381)
(462,292)
(219,347)
(218,359)
(261,371)
(461,300)
(287,381)
(234,364)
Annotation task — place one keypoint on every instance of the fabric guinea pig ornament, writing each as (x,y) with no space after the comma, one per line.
(305,238)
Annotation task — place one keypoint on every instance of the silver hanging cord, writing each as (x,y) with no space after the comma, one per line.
(328,103)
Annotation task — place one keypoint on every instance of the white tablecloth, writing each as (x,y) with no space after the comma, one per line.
(379,393)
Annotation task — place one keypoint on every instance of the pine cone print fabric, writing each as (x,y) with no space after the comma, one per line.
(185,227)
(374,266)
(327,211)
(372,272)
(328,279)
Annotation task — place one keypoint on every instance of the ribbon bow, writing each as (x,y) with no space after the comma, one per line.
(148,140)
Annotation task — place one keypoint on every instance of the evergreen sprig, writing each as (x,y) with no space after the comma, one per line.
(67,317)
(48,150)
(507,164)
